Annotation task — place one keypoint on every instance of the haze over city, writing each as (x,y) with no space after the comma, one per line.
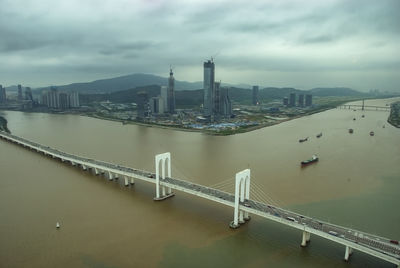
(287,43)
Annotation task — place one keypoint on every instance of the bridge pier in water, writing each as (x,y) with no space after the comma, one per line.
(165,160)
(242,193)
(306,239)
(347,253)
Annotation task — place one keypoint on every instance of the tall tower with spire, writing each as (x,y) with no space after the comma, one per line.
(171,92)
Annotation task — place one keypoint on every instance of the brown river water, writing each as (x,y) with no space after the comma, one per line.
(104,224)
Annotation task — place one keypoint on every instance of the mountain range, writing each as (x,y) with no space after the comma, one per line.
(139,80)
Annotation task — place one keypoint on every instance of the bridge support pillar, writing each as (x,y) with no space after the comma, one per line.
(73,163)
(132,180)
(242,193)
(347,253)
(110,176)
(126,181)
(96,171)
(165,160)
(84,167)
(306,239)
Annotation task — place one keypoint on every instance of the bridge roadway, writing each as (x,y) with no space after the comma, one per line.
(368,243)
(349,106)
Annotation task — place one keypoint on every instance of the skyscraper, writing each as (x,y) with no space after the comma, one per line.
(208,86)
(142,105)
(164,96)
(225,103)
(2,94)
(28,94)
(53,98)
(301,100)
(216,99)
(308,100)
(157,105)
(285,101)
(20,98)
(171,92)
(255,95)
(292,99)
(74,99)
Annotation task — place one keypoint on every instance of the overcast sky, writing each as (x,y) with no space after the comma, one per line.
(301,44)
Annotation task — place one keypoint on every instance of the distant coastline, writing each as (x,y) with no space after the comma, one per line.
(224,132)
(221,132)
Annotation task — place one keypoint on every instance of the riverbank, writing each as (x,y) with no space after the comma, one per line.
(3,125)
(247,119)
(394,117)
(223,132)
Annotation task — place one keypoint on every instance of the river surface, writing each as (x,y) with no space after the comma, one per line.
(104,224)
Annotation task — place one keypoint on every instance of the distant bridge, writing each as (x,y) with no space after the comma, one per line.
(373,245)
(364,107)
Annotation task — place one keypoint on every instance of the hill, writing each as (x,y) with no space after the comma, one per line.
(186,98)
(124,83)
(336,91)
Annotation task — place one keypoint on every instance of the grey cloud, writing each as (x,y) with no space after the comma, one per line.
(285,36)
(317,39)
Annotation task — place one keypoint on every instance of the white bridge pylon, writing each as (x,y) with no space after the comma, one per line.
(165,160)
(242,194)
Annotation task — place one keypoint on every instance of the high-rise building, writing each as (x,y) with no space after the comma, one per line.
(53,98)
(63,100)
(292,99)
(142,105)
(59,100)
(216,100)
(171,92)
(157,105)
(164,96)
(74,99)
(285,101)
(301,100)
(255,95)
(308,100)
(208,86)
(3,97)
(20,98)
(225,102)
(28,94)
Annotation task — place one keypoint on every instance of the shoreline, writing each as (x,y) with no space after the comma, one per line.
(226,132)
(222,132)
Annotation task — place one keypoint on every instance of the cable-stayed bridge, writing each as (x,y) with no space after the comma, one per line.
(240,200)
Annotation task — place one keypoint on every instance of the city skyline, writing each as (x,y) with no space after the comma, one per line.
(286,44)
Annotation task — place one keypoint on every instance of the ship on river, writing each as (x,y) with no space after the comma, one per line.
(313,159)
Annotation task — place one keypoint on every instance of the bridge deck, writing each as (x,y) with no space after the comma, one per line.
(371,244)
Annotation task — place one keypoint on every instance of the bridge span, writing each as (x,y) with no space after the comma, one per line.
(243,205)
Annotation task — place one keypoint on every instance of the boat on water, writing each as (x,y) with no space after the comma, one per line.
(383,126)
(319,135)
(354,119)
(371,133)
(303,140)
(351,131)
(313,159)
(363,116)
